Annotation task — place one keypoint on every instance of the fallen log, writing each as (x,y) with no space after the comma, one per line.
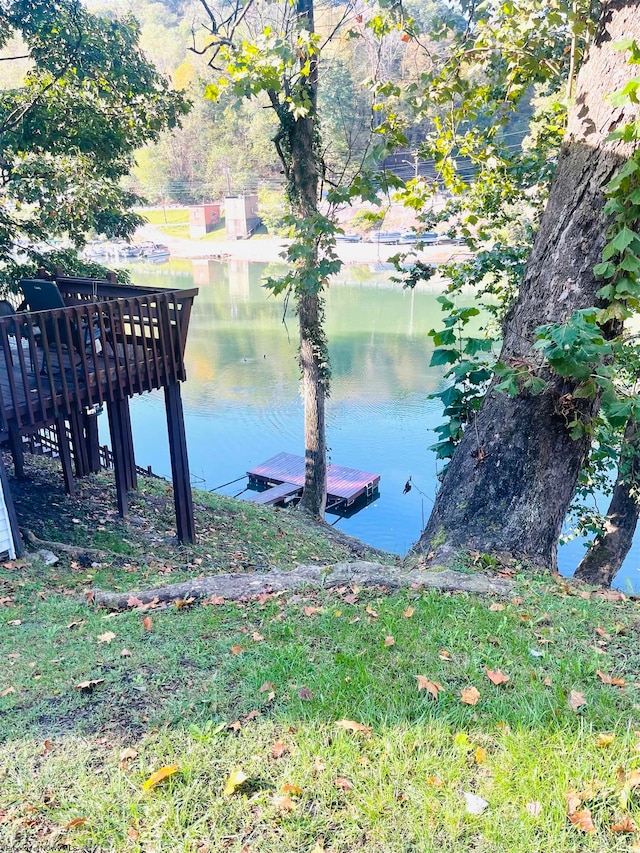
(235,587)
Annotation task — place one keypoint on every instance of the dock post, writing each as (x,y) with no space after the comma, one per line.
(78,440)
(65,456)
(93,442)
(182,497)
(119,456)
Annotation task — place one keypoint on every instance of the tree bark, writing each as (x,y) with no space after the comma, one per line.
(512,477)
(603,560)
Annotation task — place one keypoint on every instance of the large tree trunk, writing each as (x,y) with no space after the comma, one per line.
(512,477)
(603,560)
(302,137)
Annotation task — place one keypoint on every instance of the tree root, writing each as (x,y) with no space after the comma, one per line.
(234,587)
(76,551)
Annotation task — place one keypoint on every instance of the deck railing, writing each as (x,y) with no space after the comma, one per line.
(111,341)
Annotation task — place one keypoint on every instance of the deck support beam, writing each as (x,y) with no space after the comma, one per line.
(120,454)
(17,452)
(93,441)
(78,441)
(183,499)
(65,457)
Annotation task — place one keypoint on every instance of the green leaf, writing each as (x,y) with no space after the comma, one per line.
(443,356)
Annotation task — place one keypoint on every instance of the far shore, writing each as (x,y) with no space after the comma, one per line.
(271,249)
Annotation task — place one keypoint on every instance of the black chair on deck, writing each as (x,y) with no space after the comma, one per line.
(43,295)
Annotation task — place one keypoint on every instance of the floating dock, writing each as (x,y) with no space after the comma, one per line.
(282,477)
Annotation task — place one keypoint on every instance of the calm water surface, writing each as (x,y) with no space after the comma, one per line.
(242,402)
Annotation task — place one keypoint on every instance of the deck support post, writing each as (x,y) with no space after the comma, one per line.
(93,442)
(119,456)
(65,457)
(17,452)
(78,440)
(182,496)
(11,509)
(127,437)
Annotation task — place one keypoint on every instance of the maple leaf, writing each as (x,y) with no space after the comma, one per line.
(576,700)
(284,802)
(159,776)
(627,824)
(389,641)
(132,601)
(106,637)
(607,679)
(235,780)
(408,613)
(353,726)
(434,687)
(574,801)
(236,650)
(496,677)
(470,696)
(343,783)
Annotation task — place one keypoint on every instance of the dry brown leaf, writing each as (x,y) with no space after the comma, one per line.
(607,679)
(125,653)
(470,696)
(576,700)
(127,755)
(235,780)
(353,726)
(627,824)
(236,649)
(408,613)
(434,687)
(76,624)
(159,775)
(89,685)
(602,633)
(77,821)
(436,781)
(284,802)
(147,623)
(267,687)
(311,611)
(305,694)
(582,820)
(7,691)
(106,637)
(319,765)
(443,654)
(132,601)
(133,833)
(496,677)
(368,609)
(278,749)
(256,637)
(14,622)
(343,783)
(47,746)
(389,641)
(289,788)
(496,607)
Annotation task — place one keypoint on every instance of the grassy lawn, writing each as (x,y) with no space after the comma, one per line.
(258,693)
(167,216)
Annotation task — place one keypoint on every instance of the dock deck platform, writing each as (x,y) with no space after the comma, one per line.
(344,485)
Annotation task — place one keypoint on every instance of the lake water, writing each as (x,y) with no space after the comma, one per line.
(242,402)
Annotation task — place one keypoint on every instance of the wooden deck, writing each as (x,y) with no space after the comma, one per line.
(344,485)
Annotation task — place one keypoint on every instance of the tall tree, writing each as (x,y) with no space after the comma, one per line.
(512,477)
(69,128)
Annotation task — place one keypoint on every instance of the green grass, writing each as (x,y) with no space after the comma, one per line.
(170,215)
(189,692)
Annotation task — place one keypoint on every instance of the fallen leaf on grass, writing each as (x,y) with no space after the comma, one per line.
(106,637)
(480,755)
(319,765)
(147,623)
(236,650)
(433,687)
(607,679)
(305,694)
(436,781)
(14,622)
(534,808)
(236,778)
(353,726)
(605,740)
(368,609)
(284,802)
(159,775)
(76,624)
(278,749)
(77,821)
(627,824)
(474,804)
(408,613)
(90,684)
(126,755)
(133,833)
(47,746)
(311,611)
(132,601)
(443,654)
(125,653)
(470,696)
(496,677)
(582,820)
(389,641)
(602,633)
(256,637)
(343,783)
(288,788)
(267,687)
(576,700)
(496,607)
(7,691)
